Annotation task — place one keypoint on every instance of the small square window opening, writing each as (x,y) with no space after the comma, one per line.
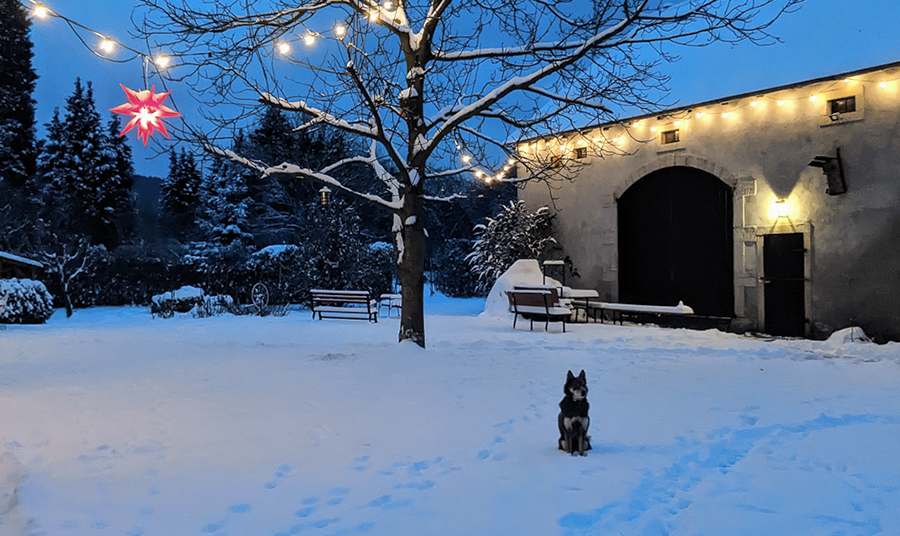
(670,136)
(842,106)
(581,152)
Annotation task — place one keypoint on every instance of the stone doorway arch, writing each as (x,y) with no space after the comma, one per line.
(676,236)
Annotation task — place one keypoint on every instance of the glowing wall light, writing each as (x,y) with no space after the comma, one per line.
(781,208)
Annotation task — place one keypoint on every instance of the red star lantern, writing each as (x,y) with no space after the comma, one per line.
(147,110)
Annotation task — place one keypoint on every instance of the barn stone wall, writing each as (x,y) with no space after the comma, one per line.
(762,151)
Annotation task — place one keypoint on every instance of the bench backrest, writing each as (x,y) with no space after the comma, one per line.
(340,296)
(552,300)
(529,298)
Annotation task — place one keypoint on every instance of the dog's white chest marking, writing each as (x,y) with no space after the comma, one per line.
(568,422)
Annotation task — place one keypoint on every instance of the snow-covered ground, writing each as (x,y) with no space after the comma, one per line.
(113,422)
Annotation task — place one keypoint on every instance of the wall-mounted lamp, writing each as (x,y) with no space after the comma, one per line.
(324,195)
(781,208)
(833,169)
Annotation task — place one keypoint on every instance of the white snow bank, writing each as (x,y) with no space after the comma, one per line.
(849,335)
(522,272)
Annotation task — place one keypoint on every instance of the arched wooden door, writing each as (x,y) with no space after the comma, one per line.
(676,241)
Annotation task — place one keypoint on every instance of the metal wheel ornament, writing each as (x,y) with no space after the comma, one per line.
(260,296)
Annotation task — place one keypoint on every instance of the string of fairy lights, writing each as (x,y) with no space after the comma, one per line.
(107,48)
(635,129)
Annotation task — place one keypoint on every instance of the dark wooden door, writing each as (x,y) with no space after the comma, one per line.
(783,273)
(676,241)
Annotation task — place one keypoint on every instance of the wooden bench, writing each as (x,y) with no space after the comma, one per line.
(390,301)
(345,304)
(619,310)
(537,304)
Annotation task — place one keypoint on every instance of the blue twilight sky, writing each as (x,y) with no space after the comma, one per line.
(824,37)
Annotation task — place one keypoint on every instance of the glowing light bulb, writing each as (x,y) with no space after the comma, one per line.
(284,48)
(506,167)
(479,174)
(726,114)
(781,208)
(699,115)
(814,98)
(597,140)
(780,103)
(883,84)
(107,45)
(162,61)
(389,5)
(614,140)
(511,161)
(309,39)
(466,158)
(488,179)
(653,129)
(373,15)
(340,30)
(754,103)
(847,80)
(40,12)
(677,123)
(636,124)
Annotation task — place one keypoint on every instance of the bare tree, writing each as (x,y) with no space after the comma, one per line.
(432,84)
(65,261)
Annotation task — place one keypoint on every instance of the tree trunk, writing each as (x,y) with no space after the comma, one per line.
(67,301)
(411,270)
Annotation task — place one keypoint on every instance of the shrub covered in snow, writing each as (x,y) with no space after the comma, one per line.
(516,233)
(24,301)
(176,301)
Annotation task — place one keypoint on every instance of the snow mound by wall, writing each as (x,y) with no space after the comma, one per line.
(522,272)
(848,336)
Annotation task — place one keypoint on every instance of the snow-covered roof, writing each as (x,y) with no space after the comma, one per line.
(22,260)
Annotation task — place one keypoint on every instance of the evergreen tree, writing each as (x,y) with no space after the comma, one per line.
(87,173)
(515,233)
(17,81)
(227,202)
(84,143)
(180,197)
(18,191)
(54,167)
(117,183)
(338,254)
(272,210)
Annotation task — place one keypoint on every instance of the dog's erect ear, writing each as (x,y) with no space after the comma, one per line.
(570,376)
(581,376)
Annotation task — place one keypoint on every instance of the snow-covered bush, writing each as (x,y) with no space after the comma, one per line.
(128,275)
(215,306)
(516,233)
(24,301)
(177,301)
(284,271)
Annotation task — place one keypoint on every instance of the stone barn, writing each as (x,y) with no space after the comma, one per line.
(779,208)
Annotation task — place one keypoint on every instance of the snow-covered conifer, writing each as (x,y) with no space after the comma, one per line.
(515,233)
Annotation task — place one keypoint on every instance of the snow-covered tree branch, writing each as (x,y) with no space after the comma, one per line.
(429,83)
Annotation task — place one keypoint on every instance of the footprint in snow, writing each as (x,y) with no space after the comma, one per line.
(361,464)
(283,472)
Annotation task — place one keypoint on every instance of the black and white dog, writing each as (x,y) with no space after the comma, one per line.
(573,416)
